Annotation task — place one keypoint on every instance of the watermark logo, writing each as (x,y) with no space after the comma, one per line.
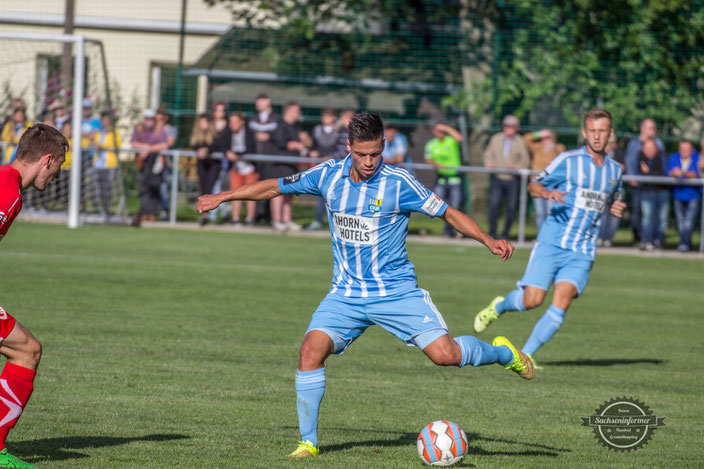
(623,424)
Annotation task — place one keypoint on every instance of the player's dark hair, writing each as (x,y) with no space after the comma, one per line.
(39,140)
(597,114)
(365,127)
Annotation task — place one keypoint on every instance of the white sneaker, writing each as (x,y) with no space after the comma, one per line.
(278,226)
(293,226)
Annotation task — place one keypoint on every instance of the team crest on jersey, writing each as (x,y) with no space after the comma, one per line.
(374,205)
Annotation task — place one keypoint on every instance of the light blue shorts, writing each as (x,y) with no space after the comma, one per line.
(550,264)
(410,316)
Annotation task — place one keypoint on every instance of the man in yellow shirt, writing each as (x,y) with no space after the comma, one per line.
(105,164)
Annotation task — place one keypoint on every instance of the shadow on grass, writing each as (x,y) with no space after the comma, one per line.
(409,439)
(59,449)
(604,362)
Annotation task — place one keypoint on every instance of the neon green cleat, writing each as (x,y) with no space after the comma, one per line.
(521,364)
(8,460)
(535,365)
(487,315)
(304,450)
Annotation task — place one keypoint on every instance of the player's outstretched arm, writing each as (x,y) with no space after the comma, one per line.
(260,190)
(468,227)
(536,189)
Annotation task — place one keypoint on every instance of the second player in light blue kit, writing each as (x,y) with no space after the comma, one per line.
(580,182)
(369,204)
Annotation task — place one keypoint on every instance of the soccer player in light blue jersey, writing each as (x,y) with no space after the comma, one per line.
(580,182)
(369,204)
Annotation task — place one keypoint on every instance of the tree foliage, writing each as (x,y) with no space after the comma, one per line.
(636,58)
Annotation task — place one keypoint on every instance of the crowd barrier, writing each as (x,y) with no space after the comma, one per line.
(523,174)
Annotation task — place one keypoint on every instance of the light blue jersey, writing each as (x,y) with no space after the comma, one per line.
(575,224)
(368,224)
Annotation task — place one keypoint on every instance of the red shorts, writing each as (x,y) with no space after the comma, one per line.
(7,323)
(237,180)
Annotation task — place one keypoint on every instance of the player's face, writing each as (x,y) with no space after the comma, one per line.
(366,157)
(50,169)
(597,132)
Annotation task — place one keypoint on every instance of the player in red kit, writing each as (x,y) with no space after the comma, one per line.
(40,154)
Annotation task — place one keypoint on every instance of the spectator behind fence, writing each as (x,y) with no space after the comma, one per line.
(648,129)
(443,152)
(107,140)
(609,223)
(61,186)
(47,118)
(220,146)
(242,141)
(58,109)
(202,140)
(14,104)
(264,123)
(341,150)
(505,151)
(90,124)
(325,138)
(396,149)
(543,147)
(150,141)
(12,131)
(684,164)
(655,198)
(162,122)
(287,139)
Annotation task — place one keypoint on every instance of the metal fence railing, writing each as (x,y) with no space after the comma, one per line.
(523,174)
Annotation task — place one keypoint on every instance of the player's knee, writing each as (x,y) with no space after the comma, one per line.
(311,357)
(533,299)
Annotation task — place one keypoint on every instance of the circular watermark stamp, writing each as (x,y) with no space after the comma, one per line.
(623,424)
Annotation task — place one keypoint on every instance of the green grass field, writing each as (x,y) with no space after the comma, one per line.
(177,349)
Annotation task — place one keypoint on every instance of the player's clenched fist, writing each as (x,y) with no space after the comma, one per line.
(617,208)
(207,202)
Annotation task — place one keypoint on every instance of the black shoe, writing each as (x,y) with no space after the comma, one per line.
(203,221)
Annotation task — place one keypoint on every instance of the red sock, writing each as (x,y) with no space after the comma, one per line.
(15,388)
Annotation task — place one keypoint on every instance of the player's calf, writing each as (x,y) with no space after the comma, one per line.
(21,348)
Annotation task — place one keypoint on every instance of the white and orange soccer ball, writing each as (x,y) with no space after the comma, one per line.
(442,443)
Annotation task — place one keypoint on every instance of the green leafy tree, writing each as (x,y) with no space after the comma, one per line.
(636,58)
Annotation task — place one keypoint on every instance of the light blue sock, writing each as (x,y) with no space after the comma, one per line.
(477,353)
(544,329)
(512,302)
(310,388)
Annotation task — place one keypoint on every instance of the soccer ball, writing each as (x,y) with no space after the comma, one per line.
(442,443)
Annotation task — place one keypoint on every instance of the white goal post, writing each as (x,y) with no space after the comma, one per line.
(31,66)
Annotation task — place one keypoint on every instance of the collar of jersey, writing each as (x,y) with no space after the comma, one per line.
(591,158)
(348,165)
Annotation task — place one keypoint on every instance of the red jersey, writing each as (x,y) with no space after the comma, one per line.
(10,197)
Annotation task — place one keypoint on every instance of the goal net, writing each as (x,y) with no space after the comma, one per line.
(62,80)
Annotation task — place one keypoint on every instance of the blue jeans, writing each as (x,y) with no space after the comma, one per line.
(452,193)
(501,190)
(542,210)
(686,213)
(609,224)
(655,208)
(636,215)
